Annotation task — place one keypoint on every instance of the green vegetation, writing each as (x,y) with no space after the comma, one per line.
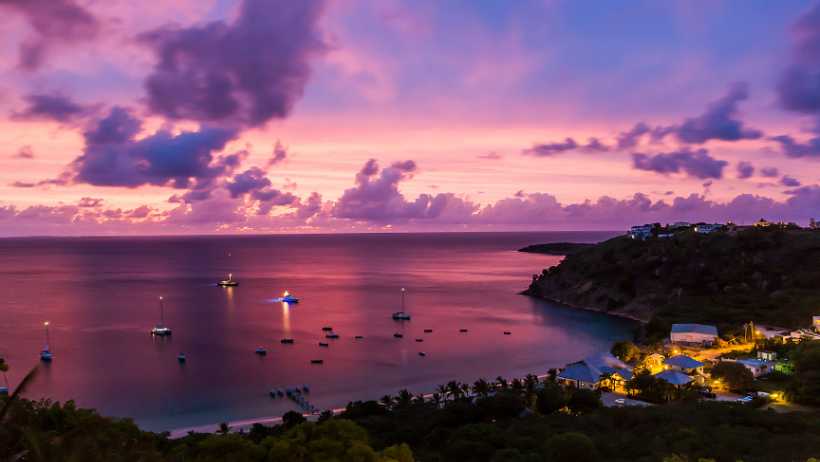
(735,375)
(626,351)
(769,276)
(805,384)
(518,420)
(555,248)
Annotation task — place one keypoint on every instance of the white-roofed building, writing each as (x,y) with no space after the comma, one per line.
(756,366)
(693,334)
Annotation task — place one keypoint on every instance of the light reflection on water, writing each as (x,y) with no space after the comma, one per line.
(100,296)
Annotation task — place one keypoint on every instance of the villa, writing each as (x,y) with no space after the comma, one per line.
(641,232)
(693,334)
(707,228)
(676,378)
(594,371)
(757,367)
(685,364)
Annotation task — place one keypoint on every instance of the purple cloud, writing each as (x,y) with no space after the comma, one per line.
(52,106)
(791,182)
(569,144)
(246,72)
(54,22)
(799,86)
(114,157)
(279,155)
(769,172)
(697,164)
(631,138)
(24,152)
(720,121)
(792,148)
(745,170)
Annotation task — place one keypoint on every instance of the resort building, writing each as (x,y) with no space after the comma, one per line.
(685,364)
(641,232)
(596,371)
(653,363)
(676,378)
(767,355)
(707,228)
(693,334)
(762,223)
(756,366)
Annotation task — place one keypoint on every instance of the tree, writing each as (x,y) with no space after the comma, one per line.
(481,388)
(570,447)
(551,398)
(735,375)
(583,400)
(805,387)
(443,392)
(292,418)
(626,351)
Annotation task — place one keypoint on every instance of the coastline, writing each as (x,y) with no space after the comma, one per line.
(586,308)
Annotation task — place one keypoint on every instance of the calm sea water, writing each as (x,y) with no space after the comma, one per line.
(100,296)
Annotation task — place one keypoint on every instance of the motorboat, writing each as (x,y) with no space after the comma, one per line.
(506,332)
(228,282)
(421,353)
(401,315)
(332,335)
(161,330)
(463,331)
(287,341)
(261,351)
(317,361)
(359,337)
(182,358)
(327,329)
(419,340)
(398,335)
(323,344)
(45,354)
(428,331)
(287,297)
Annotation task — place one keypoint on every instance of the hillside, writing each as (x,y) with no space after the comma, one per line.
(555,248)
(769,276)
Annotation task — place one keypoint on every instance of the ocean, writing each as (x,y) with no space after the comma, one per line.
(100,297)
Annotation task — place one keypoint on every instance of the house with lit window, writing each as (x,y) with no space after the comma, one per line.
(596,371)
(684,364)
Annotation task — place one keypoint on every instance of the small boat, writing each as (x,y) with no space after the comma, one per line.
(327,329)
(46,355)
(398,335)
(317,361)
(419,340)
(332,335)
(506,332)
(181,358)
(323,344)
(261,351)
(228,282)
(287,298)
(161,330)
(462,330)
(359,337)
(287,341)
(401,315)
(428,331)
(421,353)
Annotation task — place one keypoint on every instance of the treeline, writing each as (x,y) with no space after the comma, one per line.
(498,421)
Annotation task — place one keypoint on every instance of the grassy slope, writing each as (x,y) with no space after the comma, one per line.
(766,276)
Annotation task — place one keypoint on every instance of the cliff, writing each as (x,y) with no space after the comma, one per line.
(769,276)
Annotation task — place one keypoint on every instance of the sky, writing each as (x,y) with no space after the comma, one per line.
(274,116)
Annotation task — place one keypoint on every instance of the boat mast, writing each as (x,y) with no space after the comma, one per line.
(161,312)
(48,339)
(403,290)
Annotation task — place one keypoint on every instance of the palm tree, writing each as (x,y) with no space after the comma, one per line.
(436,399)
(443,391)
(530,382)
(387,402)
(404,399)
(502,382)
(517,385)
(455,389)
(481,388)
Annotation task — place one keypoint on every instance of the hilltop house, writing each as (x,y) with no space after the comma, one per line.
(707,228)
(684,364)
(641,232)
(595,371)
(676,378)
(756,366)
(693,334)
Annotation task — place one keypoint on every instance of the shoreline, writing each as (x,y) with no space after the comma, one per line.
(585,308)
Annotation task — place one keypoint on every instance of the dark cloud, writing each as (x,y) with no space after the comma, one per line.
(745,170)
(114,157)
(90,202)
(697,164)
(23,184)
(246,72)
(792,148)
(720,121)
(25,152)
(791,182)
(52,106)
(799,86)
(279,155)
(569,144)
(769,172)
(255,183)
(631,138)
(54,23)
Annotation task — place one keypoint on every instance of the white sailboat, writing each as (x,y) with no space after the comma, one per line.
(402,315)
(228,282)
(161,330)
(46,355)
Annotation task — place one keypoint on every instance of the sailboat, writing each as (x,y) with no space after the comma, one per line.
(228,282)
(46,354)
(161,330)
(401,315)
